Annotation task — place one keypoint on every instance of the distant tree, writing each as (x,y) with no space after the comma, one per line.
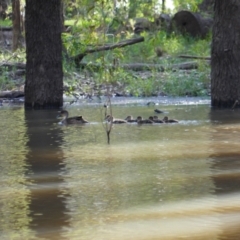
(163,6)
(132,12)
(225,54)
(44,74)
(206,6)
(3,8)
(16,24)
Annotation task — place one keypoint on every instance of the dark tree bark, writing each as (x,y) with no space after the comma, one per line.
(225,55)
(44,75)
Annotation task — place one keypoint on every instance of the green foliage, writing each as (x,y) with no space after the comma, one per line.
(178,83)
(191,5)
(5,22)
(184,83)
(90,23)
(143,8)
(5,82)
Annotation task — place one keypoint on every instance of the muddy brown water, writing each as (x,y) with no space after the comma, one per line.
(161,181)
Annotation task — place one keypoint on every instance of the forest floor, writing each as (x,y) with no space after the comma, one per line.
(81,87)
(84,84)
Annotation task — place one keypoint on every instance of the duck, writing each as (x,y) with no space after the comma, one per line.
(140,120)
(130,119)
(155,119)
(151,103)
(110,118)
(158,111)
(70,120)
(167,120)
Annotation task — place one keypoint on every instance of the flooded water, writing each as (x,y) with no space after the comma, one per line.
(161,181)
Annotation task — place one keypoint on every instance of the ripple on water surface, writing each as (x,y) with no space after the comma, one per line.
(177,181)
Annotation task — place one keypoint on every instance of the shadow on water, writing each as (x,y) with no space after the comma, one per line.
(45,161)
(226,169)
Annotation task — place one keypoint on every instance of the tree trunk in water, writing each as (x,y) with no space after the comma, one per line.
(225,56)
(44,75)
(16,24)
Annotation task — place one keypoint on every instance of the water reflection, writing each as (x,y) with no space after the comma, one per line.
(14,195)
(45,157)
(226,169)
(177,181)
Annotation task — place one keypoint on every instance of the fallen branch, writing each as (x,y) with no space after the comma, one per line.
(11,94)
(143,66)
(194,57)
(78,58)
(13,65)
(130,66)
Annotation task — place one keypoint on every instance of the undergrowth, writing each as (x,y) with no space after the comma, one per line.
(171,82)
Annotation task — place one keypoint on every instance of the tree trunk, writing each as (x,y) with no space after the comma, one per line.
(225,56)
(62,15)
(163,6)
(206,6)
(132,12)
(16,24)
(44,75)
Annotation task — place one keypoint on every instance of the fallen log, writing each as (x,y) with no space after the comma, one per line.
(191,23)
(143,66)
(185,66)
(11,94)
(130,66)
(78,58)
(194,57)
(10,65)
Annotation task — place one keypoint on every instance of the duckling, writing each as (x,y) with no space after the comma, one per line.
(140,120)
(155,119)
(167,120)
(110,118)
(130,119)
(72,120)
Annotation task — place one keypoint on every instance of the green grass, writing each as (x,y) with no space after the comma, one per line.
(6,23)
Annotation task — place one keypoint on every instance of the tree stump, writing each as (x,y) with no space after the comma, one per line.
(192,24)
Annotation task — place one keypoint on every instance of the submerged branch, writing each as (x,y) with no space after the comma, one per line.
(108,127)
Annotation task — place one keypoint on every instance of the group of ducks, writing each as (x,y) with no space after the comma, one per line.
(140,120)
(63,115)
